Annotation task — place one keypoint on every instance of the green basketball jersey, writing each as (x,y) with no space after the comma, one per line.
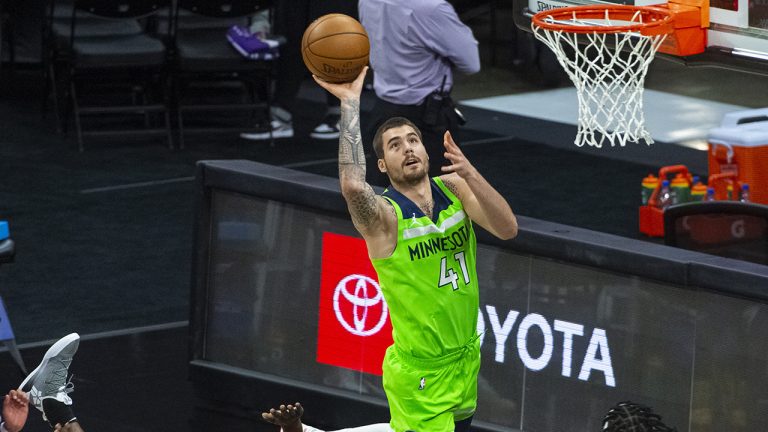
(430,280)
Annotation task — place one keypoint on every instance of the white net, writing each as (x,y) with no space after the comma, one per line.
(608,70)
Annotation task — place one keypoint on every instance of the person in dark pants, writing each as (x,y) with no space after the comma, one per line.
(415,46)
(291,19)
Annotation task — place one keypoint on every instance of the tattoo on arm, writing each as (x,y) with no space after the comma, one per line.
(351,150)
(362,205)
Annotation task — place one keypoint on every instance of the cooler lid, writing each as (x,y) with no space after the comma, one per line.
(748,128)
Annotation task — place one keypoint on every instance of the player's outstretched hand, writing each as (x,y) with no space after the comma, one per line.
(458,162)
(287,417)
(15,410)
(347,90)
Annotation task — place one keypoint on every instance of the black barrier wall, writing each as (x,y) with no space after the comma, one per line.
(572,321)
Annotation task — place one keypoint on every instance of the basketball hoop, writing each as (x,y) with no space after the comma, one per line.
(606,51)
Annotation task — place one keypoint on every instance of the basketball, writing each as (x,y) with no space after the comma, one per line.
(335,48)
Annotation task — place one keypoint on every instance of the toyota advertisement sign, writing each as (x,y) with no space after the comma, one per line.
(354,328)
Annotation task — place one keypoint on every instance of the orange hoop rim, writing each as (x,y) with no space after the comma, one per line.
(657,20)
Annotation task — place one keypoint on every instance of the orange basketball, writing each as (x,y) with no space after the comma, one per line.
(335,48)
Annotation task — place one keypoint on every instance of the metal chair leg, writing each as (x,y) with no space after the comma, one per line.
(76,112)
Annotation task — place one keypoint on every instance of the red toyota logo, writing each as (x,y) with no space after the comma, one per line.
(354,329)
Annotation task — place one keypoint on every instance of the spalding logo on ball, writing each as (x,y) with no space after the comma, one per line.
(335,48)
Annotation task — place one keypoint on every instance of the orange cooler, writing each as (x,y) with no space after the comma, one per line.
(740,146)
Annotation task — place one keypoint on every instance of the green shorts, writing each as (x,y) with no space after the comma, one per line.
(429,395)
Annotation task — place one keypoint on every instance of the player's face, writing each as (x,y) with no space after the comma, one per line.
(405,158)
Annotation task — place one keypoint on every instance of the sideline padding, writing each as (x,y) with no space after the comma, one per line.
(537,237)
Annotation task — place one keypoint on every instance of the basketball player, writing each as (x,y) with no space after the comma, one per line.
(49,388)
(288,417)
(421,242)
(633,417)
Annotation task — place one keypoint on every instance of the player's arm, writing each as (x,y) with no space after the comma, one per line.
(371,214)
(365,206)
(481,201)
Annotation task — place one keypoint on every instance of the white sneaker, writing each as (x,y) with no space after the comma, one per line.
(280,129)
(49,379)
(328,129)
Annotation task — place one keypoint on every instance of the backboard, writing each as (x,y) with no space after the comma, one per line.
(736,38)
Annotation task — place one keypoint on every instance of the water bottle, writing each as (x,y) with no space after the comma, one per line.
(665,195)
(648,186)
(744,193)
(710,194)
(681,189)
(698,192)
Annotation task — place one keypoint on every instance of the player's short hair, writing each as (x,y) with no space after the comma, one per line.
(378,141)
(633,417)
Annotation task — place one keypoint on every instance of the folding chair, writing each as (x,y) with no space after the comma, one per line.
(54,51)
(7,254)
(203,55)
(105,50)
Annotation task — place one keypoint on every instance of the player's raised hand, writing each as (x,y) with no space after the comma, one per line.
(347,90)
(287,417)
(458,162)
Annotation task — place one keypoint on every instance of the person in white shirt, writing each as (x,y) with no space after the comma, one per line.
(288,417)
